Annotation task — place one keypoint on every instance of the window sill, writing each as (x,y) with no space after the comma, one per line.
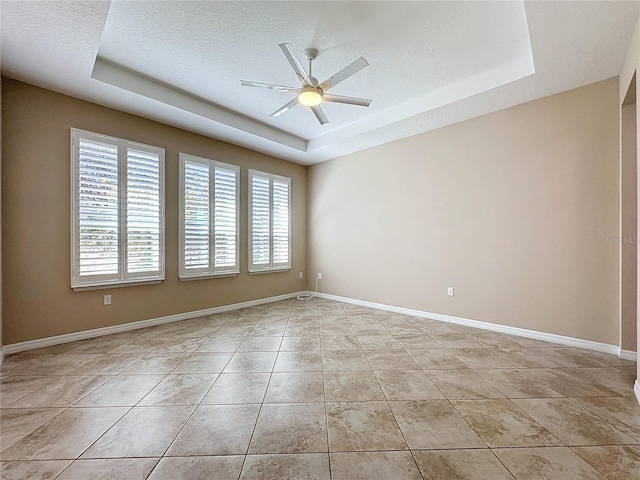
(133,283)
(208,276)
(270,270)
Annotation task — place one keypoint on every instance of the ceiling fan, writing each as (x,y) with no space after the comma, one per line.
(312,93)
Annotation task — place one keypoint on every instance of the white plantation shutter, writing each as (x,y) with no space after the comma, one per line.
(144,209)
(269,222)
(97,209)
(280,222)
(196,216)
(209,217)
(226,217)
(117,223)
(260,220)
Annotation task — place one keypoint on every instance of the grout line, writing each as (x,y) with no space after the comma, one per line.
(324,395)
(602,472)
(595,414)
(105,432)
(469,424)
(264,396)
(503,464)
(395,419)
(195,407)
(200,403)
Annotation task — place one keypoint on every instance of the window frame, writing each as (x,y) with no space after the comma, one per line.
(211,271)
(271,267)
(121,278)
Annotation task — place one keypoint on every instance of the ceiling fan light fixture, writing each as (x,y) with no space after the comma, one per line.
(310,96)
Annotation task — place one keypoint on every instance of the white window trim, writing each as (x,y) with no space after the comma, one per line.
(124,279)
(211,271)
(271,267)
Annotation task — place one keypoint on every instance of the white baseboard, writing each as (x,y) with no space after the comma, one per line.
(494,327)
(628,355)
(125,327)
(521,332)
(636,389)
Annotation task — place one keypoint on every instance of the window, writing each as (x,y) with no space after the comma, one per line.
(117,211)
(269,222)
(209,209)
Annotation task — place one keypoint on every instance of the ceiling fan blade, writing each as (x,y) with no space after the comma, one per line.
(319,113)
(284,108)
(343,74)
(361,102)
(279,88)
(295,62)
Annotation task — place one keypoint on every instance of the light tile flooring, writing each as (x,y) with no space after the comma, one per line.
(316,390)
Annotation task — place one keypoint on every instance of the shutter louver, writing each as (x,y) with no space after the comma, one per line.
(260,220)
(280,222)
(196,216)
(98,209)
(225,214)
(143,212)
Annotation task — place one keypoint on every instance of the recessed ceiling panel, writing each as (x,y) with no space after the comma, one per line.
(414,49)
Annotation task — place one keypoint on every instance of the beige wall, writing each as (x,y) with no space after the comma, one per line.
(511,209)
(629,229)
(38,300)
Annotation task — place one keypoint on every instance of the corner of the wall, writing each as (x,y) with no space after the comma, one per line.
(627,355)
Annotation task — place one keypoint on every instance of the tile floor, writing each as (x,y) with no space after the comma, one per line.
(317,390)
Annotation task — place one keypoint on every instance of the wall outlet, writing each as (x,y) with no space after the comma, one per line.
(450,291)
(300,275)
(107,299)
(319,276)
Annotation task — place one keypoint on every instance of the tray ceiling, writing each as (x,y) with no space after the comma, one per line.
(431,63)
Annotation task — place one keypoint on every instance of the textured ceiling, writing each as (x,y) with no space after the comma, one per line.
(431,63)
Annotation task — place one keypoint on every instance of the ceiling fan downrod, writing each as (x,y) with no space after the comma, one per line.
(311,54)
